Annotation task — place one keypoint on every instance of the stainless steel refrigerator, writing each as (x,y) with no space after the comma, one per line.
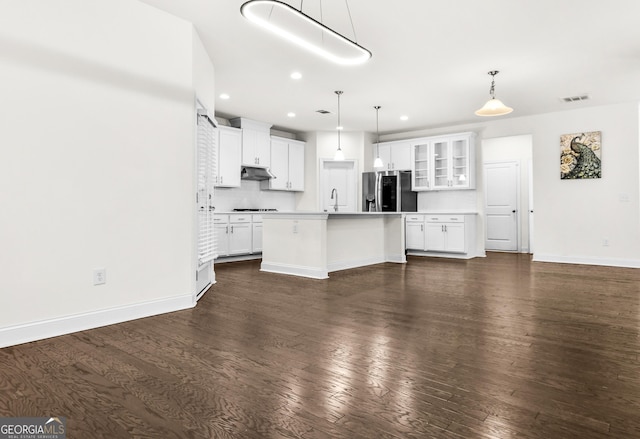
(388,191)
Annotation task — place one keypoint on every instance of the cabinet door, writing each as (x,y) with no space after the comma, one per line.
(421,158)
(229,157)
(257,238)
(401,156)
(435,237)
(249,140)
(279,165)
(455,237)
(296,166)
(460,172)
(240,238)
(441,164)
(415,235)
(222,239)
(263,149)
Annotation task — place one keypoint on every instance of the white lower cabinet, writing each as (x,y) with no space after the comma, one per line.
(236,234)
(440,235)
(445,234)
(240,233)
(222,235)
(415,233)
(257,234)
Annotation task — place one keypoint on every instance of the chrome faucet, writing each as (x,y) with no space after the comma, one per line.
(335,205)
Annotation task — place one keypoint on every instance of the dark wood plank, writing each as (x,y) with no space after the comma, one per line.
(437,348)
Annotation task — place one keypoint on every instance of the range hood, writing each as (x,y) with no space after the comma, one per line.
(258,174)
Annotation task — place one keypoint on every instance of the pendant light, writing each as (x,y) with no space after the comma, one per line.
(493,107)
(339,154)
(300,29)
(377,163)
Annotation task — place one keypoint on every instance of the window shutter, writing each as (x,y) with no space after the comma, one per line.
(206,166)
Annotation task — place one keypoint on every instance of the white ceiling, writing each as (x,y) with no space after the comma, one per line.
(430,60)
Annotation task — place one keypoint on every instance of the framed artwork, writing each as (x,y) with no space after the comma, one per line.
(580,155)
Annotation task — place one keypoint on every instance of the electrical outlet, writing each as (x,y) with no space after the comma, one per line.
(295,228)
(605,242)
(99,276)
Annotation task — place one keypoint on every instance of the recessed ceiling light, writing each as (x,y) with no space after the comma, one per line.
(296,75)
(404,117)
(291,114)
(224,96)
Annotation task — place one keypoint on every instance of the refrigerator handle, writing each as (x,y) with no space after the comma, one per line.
(378,192)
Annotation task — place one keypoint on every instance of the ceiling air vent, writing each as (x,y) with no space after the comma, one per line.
(576,98)
(323,111)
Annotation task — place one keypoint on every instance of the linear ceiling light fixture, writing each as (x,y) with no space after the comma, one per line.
(377,163)
(339,153)
(493,107)
(300,29)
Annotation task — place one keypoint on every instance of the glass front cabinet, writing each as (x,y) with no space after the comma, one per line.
(443,162)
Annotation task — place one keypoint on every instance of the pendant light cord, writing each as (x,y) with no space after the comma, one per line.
(355,37)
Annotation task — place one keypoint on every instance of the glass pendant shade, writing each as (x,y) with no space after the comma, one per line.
(494,107)
(377,163)
(339,155)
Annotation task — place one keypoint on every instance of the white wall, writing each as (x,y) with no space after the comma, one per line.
(573,217)
(96,164)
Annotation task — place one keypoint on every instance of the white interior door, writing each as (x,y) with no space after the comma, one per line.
(340,179)
(501,205)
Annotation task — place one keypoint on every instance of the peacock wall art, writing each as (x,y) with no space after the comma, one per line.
(580,155)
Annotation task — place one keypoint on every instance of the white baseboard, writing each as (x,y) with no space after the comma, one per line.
(345,265)
(14,335)
(441,254)
(294,270)
(399,258)
(608,262)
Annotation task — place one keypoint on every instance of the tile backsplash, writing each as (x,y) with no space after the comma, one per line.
(250,196)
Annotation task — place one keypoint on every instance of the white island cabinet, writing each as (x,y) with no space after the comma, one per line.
(313,244)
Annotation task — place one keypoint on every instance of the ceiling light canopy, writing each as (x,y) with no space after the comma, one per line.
(493,107)
(302,30)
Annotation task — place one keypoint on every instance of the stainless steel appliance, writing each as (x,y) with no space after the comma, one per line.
(388,191)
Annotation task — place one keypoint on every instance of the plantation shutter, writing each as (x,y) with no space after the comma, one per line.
(206,164)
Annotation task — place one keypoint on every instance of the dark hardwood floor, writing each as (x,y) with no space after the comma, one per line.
(497,347)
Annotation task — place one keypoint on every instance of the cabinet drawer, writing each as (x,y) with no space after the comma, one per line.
(415,218)
(445,218)
(256,218)
(239,218)
(220,219)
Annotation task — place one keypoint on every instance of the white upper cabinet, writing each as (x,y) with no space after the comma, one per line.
(287,164)
(443,162)
(421,160)
(256,142)
(229,156)
(394,155)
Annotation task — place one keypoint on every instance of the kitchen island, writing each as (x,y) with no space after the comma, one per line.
(313,244)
